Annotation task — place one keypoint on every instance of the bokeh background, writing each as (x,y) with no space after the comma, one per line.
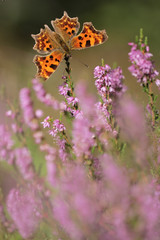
(121,19)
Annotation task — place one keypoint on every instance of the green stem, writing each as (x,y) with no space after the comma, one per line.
(151,103)
(68,70)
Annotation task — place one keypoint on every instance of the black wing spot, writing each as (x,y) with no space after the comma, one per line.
(66,29)
(53,66)
(73,31)
(80,38)
(85,35)
(47,41)
(57,60)
(47,61)
(90,36)
(88,43)
(48,49)
(51,57)
(50,46)
(80,44)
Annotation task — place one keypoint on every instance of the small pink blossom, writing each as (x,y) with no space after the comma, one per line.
(39,113)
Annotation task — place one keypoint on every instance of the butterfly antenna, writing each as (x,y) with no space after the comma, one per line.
(84,64)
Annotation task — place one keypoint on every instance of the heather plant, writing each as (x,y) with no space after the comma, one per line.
(92,173)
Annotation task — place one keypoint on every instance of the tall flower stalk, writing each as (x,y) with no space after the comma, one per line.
(144,70)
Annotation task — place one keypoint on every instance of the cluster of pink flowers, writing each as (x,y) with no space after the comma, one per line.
(142,66)
(94,176)
(56,127)
(71,103)
(57,131)
(109,82)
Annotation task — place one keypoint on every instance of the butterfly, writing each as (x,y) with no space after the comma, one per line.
(54,45)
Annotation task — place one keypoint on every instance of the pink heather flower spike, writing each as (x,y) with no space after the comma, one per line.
(142,66)
(109,82)
(71,104)
(24,163)
(57,131)
(43,96)
(132,123)
(82,137)
(27,108)
(6,145)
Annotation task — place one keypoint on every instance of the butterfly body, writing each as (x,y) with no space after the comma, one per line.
(64,47)
(56,44)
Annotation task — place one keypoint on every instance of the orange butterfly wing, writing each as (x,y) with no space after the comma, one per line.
(66,27)
(45,41)
(88,37)
(46,65)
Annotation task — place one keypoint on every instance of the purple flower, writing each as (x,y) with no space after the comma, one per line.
(57,131)
(148,202)
(24,208)
(43,96)
(61,213)
(142,67)
(10,114)
(99,71)
(6,145)
(113,177)
(50,164)
(39,113)
(38,136)
(157,82)
(27,108)
(47,122)
(86,100)
(56,128)
(93,113)
(64,89)
(62,149)
(71,104)
(131,121)
(82,137)
(109,81)
(75,207)
(72,100)
(15,128)
(24,163)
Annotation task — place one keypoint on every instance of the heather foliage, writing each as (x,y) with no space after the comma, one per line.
(92,173)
